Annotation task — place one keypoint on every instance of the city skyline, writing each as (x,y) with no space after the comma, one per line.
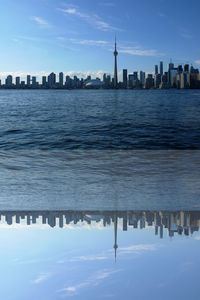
(180,77)
(50,35)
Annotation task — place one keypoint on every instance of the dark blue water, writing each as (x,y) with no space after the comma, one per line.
(100,119)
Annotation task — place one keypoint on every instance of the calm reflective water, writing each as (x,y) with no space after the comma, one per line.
(99,194)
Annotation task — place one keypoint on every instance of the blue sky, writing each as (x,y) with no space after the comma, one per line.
(77,36)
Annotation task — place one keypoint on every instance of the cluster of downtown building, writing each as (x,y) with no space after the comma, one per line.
(180,77)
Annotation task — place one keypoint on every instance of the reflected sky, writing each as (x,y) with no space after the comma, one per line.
(99,225)
(48,259)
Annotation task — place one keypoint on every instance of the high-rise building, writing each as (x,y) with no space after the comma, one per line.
(161,68)
(142,77)
(171,65)
(186,68)
(157,81)
(9,81)
(61,78)
(180,69)
(115,66)
(131,78)
(156,69)
(34,83)
(17,81)
(125,74)
(28,80)
(44,81)
(51,80)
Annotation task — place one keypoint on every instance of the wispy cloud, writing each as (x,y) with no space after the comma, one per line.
(186,34)
(139,51)
(162,15)
(93,19)
(107,4)
(41,277)
(41,22)
(133,50)
(84,42)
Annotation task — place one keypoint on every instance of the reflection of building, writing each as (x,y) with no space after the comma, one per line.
(176,222)
(181,222)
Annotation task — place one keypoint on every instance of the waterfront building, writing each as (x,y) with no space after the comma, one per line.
(125,75)
(186,68)
(9,81)
(34,82)
(44,81)
(185,80)
(131,78)
(28,80)
(157,81)
(17,82)
(104,78)
(161,68)
(170,67)
(142,78)
(149,82)
(61,79)
(173,74)
(52,80)
(156,69)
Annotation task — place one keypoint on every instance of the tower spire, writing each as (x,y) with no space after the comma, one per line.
(115,236)
(115,65)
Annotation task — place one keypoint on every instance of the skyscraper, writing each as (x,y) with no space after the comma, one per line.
(161,68)
(28,80)
(61,78)
(125,73)
(156,69)
(115,66)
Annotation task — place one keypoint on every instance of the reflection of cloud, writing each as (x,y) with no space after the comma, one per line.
(42,277)
(88,258)
(90,282)
(186,266)
(92,19)
(138,249)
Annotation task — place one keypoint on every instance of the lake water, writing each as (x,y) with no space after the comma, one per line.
(82,172)
(104,119)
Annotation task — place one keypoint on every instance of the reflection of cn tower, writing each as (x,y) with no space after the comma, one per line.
(115,233)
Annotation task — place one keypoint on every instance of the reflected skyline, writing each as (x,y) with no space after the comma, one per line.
(176,222)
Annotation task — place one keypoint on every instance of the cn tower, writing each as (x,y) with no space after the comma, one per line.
(115,67)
